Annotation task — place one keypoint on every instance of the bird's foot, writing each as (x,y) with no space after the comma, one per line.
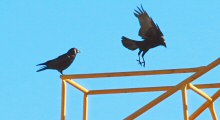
(143,64)
(139,62)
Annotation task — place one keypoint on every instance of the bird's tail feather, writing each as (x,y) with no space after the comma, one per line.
(43,68)
(40,64)
(128,43)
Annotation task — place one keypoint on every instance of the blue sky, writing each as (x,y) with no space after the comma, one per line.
(34,31)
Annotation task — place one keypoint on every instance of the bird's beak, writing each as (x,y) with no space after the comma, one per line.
(165,45)
(78,51)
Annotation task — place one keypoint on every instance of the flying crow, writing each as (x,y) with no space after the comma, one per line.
(150,33)
(60,63)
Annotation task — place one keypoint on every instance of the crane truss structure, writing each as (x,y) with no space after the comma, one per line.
(169,90)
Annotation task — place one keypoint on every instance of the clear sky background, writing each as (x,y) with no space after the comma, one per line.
(34,31)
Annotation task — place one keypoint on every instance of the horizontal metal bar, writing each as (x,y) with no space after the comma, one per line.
(132,73)
(147,89)
(128,90)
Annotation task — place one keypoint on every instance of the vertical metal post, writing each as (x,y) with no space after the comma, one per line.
(185,103)
(85,107)
(212,110)
(63,111)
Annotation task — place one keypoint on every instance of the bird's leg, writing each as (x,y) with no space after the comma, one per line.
(143,62)
(143,58)
(139,60)
(61,72)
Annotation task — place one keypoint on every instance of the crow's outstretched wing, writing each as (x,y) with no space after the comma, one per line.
(148,28)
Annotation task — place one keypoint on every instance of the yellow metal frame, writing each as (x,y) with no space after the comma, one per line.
(183,86)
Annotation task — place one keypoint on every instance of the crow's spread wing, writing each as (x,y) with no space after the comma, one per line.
(148,27)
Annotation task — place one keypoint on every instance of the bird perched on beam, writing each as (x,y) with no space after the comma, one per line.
(150,33)
(60,63)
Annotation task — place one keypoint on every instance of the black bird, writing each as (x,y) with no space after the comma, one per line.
(149,31)
(60,63)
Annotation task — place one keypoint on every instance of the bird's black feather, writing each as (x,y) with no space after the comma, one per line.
(60,63)
(41,69)
(150,33)
(130,44)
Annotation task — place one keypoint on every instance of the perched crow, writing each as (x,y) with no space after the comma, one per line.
(60,63)
(149,31)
